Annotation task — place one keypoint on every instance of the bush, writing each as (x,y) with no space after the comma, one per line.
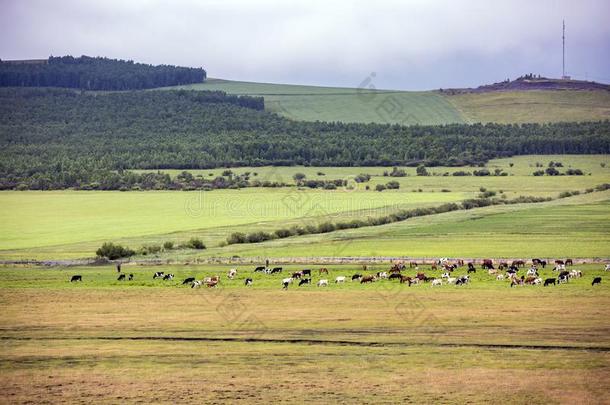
(379,187)
(482,172)
(283,233)
(362,178)
(256,237)
(326,227)
(298,177)
(194,243)
(321,174)
(113,252)
(461,173)
(574,172)
(551,171)
(236,237)
(538,173)
(396,172)
(445,190)
(421,171)
(392,185)
(169,245)
(227,173)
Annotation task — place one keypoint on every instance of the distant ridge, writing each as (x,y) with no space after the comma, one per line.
(531,82)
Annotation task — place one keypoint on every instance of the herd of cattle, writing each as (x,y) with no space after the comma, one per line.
(503,271)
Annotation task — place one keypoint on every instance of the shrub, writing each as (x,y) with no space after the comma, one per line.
(256,237)
(321,174)
(283,233)
(396,172)
(362,178)
(298,177)
(551,171)
(574,172)
(461,173)
(326,227)
(379,187)
(194,243)
(236,237)
(422,171)
(482,172)
(168,245)
(392,185)
(445,190)
(538,173)
(113,252)
(227,173)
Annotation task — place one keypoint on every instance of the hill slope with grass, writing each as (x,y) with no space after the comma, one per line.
(513,105)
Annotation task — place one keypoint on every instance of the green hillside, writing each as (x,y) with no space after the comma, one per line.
(429,107)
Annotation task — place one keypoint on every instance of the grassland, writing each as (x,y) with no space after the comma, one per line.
(312,103)
(70,224)
(154,341)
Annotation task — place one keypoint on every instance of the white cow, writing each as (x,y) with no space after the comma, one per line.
(500,277)
(575,273)
(436,281)
(537,281)
(340,279)
(451,280)
(382,274)
(607,268)
(286,282)
(232,273)
(445,275)
(323,283)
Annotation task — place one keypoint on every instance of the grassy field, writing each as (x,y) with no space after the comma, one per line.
(152,341)
(533,106)
(312,103)
(70,224)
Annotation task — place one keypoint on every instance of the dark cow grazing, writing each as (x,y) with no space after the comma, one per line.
(168,277)
(395,270)
(471,268)
(563,279)
(569,262)
(367,279)
(412,264)
(323,270)
(513,269)
(502,266)
(460,262)
(596,280)
(212,284)
(159,274)
(462,280)
(259,269)
(518,263)
(297,274)
(121,277)
(406,279)
(488,264)
(306,272)
(130,276)
(530,280)
(543,263)
(364,267)
(118,267)
(248,282)
(564,274)
(558,262)
(433,267)
(304,281)
(276,270)
(540,262)
(421,276)
(188,280)
(550,281)
(517,281)
(76,278)
(356,277)
(394,276)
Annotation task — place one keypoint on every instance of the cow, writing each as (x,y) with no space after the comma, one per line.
(607,268)
(130,276)
(306,272)
(158,274)
(121,277)
(550,281)
(395,276)
(188,280)
(212,283)
(356,277)
(323,270)
(395,270)
(412,264)
(405,279)
(451,280)
(471,268)
(536,262)
(297,274)
(487,264)
(564,274)
(286,282)
(304,281)
(196,284)
(532,272)
(563,279)
(518,263)
(248,282)
(492,272)
(232,273)
(500,277)
(382,274)
(502,266)
(118,267)
(367,279)
(323,283)
(537,281)
(340,279)
(559,267)
(436,281)
(76,278)
(559,262)
(445,275)
(530,280)
(569,262)
(575,273)
(462,280)
(259,269)
(596,280)
(516,281)
(275,270)
(168,277)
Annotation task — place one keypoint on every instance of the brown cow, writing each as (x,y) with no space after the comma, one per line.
(487,264)
(412,264)
(323,270)
(405,279)
(367,279)
(569,262)
(518,263)
(421,276)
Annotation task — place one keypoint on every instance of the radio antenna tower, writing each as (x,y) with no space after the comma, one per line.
(563,53)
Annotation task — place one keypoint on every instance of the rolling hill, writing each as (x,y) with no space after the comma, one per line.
(502,105)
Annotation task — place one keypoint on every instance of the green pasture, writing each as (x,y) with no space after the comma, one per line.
(313,103)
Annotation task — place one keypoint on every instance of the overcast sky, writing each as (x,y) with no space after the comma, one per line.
(413,45)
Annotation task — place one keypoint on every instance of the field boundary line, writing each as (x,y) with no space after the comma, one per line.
(319,342)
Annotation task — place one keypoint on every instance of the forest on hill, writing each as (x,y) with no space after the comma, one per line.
(98,73)
(55,139)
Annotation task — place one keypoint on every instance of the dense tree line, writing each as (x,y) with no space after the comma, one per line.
(54,138)
(89,73)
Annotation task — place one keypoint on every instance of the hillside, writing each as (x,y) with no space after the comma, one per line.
(514,104)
